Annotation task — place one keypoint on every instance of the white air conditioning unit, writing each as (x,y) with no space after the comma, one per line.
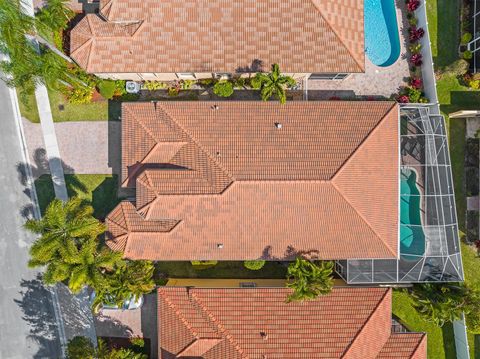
(132,87)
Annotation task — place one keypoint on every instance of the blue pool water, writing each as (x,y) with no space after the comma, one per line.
(382,42)
(412,238)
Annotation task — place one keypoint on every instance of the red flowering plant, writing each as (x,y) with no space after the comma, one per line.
(415,33)
(416,59)
(412,5)
(403,99)
(416,82)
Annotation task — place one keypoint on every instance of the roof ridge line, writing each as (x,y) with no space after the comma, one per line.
(362,66)
(424,335)
(194,140)
(81,47)
(216,323)
(360,145)
(179,314)
(365,323)
(363,219)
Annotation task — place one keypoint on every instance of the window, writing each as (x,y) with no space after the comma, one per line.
(248,284)
(327,76)
(186,75)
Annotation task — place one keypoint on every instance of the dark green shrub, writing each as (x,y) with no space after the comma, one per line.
(107,89)
(80,348)
(254,265)
(458,68)
(223,88)
(414,94)
(467,55)
(199,265)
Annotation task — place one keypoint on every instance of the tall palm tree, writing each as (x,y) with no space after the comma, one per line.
(89,265)
(55,14)
(129,279)
(61,229)
(273,84)
(309,280)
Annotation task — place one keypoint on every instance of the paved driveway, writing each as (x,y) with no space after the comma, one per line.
(88,147)
(27,321)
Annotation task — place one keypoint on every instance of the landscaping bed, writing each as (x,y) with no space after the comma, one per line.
(225,270)
(100,191)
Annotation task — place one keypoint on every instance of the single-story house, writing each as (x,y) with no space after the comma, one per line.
(195,39)
(258,180)
(256,323)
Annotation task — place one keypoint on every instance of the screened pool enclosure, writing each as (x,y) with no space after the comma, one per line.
(428,234)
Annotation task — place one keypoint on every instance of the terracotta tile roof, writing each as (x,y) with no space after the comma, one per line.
(153,36)
(257,323)
(229,176)
(405,346)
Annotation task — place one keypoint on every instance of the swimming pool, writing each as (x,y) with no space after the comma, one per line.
(382,42)
(412,237)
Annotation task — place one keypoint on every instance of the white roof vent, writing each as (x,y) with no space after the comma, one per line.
(219,245)
(278,125)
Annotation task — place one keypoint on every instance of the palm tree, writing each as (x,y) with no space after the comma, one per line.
(273,84)
(88,265)
(129,279)
(55,14)
(445,302)
(309,280)
(63,225)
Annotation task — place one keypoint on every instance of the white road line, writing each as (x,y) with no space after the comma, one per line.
(30,184)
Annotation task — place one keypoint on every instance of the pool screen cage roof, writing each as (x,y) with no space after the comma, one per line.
(428,235)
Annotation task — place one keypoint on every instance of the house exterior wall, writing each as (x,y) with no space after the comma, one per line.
(174,76)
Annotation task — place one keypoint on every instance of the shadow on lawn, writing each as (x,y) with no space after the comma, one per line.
(448,341)
(448,32)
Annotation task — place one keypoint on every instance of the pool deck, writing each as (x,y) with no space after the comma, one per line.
(376,81)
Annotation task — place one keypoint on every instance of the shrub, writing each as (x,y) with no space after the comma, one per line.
(423,100)
(137,341)
(80,95)
(474,84)
(413,94)
(467,55)
(186,84)
(416,82)
(154,85)
(106,89)
(223,88)
(412,5)
(239,82)
(466,38)
(412,20)
(173,91)
(206,82)
(403,99)
(199,265)
(457,68)
(415,48)
(120,89)
(309,280)
(415,33)
(80,348)
(416,59)
(254,265)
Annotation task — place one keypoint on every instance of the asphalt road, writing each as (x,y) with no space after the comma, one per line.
(27,321)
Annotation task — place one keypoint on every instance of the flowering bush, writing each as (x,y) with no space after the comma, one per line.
(415,33)
(413,95)
(416,59)
(412,5)
(403,99)
(416,82)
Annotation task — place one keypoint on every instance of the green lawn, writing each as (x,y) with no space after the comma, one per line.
(229,269)
(440,340)
(94,111)
(98,190)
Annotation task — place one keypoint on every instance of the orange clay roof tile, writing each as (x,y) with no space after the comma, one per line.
(262,192)
(405,346)
(257,323)
(153,36)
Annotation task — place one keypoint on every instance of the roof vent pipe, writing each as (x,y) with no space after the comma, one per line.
(278,125)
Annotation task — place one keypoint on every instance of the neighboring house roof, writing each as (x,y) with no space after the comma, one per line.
(324,184)
(257,323)
(168,36)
